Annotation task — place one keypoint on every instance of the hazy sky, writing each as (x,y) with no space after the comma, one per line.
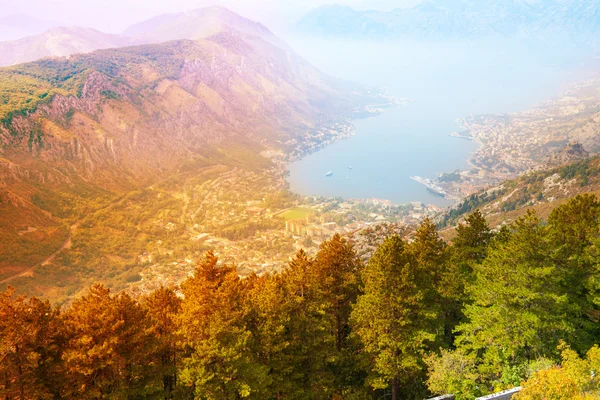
(116,15)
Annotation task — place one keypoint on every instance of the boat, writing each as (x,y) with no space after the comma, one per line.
(349,167)
(431,186)
(329,174)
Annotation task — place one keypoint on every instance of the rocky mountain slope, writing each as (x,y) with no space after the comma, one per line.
(79,133)
(573,19)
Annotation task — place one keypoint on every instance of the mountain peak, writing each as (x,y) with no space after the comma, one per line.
(198,24)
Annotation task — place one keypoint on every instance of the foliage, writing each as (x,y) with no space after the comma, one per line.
(398,332)
(487,312)
(575,378)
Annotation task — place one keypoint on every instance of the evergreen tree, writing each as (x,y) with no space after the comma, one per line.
(212,321)
(291,332)
(393,318)
(429,252)
(472,239)
(31,345)
(519,309)
(336,272)
(573,234)
(108,348)
(468,249)
(162,307)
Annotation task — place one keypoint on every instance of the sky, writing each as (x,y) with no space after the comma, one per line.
(116,15)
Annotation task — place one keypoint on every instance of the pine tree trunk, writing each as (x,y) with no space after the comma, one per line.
(395,389)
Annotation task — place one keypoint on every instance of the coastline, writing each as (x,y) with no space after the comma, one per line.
(346,129)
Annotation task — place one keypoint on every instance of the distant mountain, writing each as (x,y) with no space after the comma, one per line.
(577,19)
(198,24)
(17,26)
(58,42)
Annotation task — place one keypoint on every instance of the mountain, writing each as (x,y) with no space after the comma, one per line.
(17,26)
(198,24)
(57,42)
(86,142)
(541,190)
(459,19)
(193,25)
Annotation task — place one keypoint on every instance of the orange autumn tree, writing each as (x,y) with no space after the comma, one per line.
(162,307)
(31,344)
(212,320)
(108,346)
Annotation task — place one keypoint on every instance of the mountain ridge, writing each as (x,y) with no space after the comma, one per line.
(192,25)
(459,19)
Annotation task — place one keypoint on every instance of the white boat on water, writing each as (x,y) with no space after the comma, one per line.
(329,174)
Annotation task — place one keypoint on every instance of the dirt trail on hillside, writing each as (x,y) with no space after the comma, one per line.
(47,260)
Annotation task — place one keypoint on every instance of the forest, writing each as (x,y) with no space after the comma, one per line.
(490,310)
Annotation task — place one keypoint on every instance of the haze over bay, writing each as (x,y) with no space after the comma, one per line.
(414,139)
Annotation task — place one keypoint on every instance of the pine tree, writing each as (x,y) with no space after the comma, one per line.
(31,344)
(336,272)
(472,239)
(431,256)
(393,317)
(469,248)
(573,233)
(162,307)
(519,309)
(309,328)
(108,349)
(212,321)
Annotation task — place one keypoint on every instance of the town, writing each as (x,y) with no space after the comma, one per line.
(240,219)
(554,132)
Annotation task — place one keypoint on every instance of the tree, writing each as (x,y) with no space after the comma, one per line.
(472,239)
(336,274)
(31,344)
(573,234)
(468,249)
(454,372)
(108,346)
(336,271)
(394,317)
(162,307)
(429,252)
(212,321)
(574,379)
(519,310)
(290,331)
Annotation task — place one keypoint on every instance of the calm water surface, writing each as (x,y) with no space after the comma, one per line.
(446,82)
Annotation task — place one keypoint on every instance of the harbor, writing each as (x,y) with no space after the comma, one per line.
(431,186)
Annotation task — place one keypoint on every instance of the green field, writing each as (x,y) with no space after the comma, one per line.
(295,213)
